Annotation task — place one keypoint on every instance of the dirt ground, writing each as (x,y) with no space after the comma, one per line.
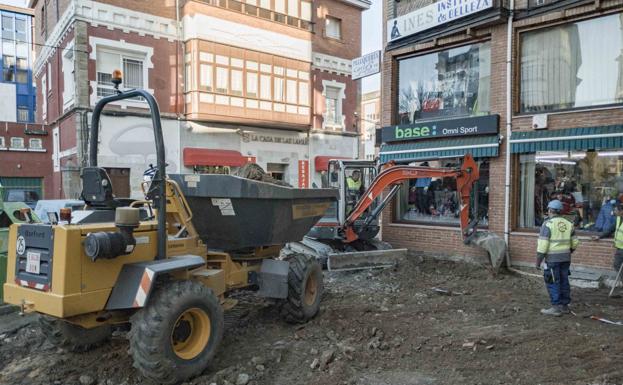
(384,327)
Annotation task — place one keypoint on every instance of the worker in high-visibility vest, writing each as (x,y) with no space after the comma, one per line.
(556,242)
(354,188)
(617,230)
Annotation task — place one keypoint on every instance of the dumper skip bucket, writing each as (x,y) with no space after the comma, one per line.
(232,213)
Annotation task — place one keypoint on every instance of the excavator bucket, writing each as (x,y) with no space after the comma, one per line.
(494,245)
(362,260)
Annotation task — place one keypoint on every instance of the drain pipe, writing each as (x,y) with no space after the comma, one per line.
(509,118)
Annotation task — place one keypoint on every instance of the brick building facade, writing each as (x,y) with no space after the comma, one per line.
(445,77)
(265,93)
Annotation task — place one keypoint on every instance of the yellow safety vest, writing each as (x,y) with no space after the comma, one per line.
(352,184)
(557,237)
(618,234)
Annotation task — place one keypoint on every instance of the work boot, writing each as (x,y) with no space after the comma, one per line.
(555,311)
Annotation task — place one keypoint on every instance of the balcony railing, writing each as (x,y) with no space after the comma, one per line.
(263,13)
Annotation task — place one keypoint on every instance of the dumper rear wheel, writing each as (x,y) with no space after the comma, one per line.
(305,289)
(72,337)
(177,334)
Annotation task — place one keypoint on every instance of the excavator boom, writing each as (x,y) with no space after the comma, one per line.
(393,175)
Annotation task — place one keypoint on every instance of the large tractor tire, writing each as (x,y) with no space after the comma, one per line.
(177,334)
(305,289)
(72,337)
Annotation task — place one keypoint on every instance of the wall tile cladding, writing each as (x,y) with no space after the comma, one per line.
(440,241)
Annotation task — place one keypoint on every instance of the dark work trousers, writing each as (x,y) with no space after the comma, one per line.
(618,259)
(557,281)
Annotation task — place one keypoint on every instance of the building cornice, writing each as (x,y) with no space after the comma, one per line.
(333,64)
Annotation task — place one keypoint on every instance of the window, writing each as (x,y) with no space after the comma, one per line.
(304,93)
(21,30)
(2,144)
(236,83)
(279,90)
(280,6)
(35,144)
(17,143)
(22,63)
(586,182)
(188,84)
(49,72)
(306,10)
(333,107)
(132,67)
(292,92)
(436,200)
(265,89)
(333,28)
(448,83)
(206,77)
(21,76)
(252,85)
(8,70)
(222,80)
(572,65)
(8,27)
(68,75)
(293,8)
(44,96)
(23,114)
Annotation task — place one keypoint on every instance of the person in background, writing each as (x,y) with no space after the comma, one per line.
(421,187)
(556,242)
(617,230)
(605,222)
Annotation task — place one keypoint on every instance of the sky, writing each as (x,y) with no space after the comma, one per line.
(372,40)
(16,3)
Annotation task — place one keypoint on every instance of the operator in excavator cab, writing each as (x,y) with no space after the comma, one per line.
(355,189)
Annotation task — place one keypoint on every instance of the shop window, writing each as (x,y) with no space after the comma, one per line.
(23,115)
(35,144)
(572,65)
(134,72)
(586,182)
(333,28)
(17,143)
(435,201)
(448,83)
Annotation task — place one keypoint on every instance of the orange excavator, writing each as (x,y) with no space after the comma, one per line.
(345,238)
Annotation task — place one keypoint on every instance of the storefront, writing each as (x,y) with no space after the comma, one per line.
(564,140)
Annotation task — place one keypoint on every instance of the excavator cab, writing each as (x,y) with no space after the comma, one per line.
(351,178)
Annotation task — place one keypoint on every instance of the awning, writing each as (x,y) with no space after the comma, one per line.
(212,157)
(583,138)
(478,146)
(321,162)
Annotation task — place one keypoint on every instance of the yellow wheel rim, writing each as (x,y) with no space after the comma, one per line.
(191,333)
(311,290)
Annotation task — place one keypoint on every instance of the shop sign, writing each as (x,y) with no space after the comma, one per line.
(303,173)
(477,125)
(433,15)
(250,137)
(366,65)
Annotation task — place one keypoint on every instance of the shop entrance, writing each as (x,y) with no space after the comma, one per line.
(277,170)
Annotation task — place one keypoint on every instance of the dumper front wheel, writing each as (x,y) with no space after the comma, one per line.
(176,335)
(305,289)
(72,337)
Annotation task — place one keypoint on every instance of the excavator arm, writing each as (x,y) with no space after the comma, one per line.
(392,176)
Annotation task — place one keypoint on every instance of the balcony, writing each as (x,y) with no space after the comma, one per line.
(262,13)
